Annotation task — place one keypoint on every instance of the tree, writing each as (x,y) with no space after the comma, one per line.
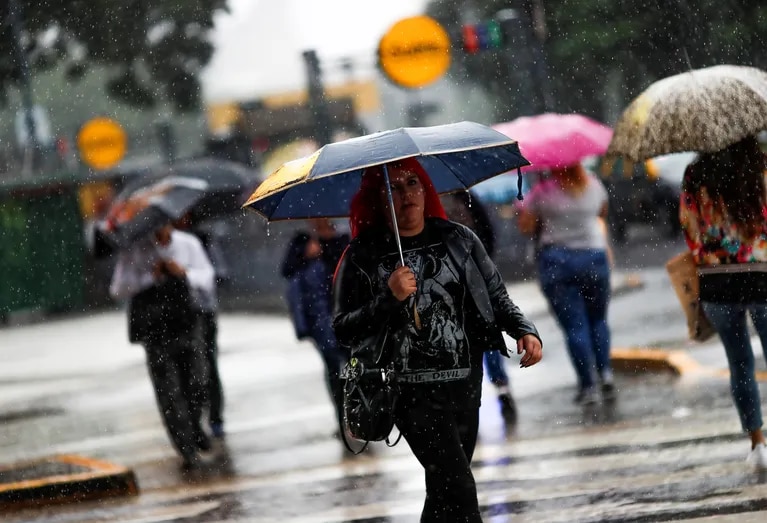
(590,41)
(153,48)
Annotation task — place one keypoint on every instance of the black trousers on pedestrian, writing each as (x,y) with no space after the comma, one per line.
(209,325)
(443,441)
(178,373)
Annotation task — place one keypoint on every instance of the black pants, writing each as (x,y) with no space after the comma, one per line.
(178,373)
(209,325)
(443,442)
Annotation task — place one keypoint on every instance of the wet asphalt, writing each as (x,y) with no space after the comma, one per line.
(668,449)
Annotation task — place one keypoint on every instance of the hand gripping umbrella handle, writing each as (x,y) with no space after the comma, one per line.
(416,316)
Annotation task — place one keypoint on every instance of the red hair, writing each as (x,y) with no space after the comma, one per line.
(366,209)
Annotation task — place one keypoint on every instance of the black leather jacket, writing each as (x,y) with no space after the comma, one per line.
(361,309)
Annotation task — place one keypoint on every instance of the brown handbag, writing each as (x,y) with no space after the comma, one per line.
(684,277)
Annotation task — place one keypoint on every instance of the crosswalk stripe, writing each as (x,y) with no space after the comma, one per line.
(632,473)
(598,482)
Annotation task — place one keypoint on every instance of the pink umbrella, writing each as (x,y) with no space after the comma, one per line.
(553,140)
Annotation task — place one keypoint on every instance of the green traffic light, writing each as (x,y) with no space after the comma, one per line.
(494,34)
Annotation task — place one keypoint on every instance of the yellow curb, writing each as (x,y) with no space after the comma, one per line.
(725,373)
(101,479)
(679,362)
(639,359)
(633,280)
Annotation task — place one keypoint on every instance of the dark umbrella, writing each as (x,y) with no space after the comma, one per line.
(141,209)
(221,175)
(455,156)
(228,184)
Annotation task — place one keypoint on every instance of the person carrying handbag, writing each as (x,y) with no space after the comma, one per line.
(723,214)
(157,276)
(443,307)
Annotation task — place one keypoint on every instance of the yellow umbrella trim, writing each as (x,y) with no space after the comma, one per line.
(289,173)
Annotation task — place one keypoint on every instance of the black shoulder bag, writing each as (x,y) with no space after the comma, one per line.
(370,393)
(161,313)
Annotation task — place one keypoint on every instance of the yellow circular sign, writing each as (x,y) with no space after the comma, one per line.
(102,143)
(415,52)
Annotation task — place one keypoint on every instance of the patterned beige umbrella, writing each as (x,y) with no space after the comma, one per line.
(701,110)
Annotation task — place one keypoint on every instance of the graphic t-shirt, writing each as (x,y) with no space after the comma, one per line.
(431,345)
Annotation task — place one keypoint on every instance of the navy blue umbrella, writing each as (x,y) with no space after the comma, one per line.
(455,156)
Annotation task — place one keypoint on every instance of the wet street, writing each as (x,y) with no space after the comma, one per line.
(668,449)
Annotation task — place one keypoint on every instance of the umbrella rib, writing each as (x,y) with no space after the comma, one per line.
(361,167)
(415,155)
(458,176)
(279,202)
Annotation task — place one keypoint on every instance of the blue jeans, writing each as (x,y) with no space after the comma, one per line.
(576,283)
(496,372)
(729,320)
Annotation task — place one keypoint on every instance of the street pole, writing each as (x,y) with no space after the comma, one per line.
(517,36)
(323,131)
(14,18)
(526,27)
(537,27)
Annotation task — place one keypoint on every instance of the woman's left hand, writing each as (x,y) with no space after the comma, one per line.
(532,349)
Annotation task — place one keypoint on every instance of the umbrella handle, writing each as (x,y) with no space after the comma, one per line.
(416,316)
(393,214)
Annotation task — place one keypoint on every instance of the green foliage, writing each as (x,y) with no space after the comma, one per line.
(156,48)
(588,41)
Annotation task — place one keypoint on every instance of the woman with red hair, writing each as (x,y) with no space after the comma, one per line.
(439,310)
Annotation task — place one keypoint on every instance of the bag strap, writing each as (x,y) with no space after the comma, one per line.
(346,442)
(367,442)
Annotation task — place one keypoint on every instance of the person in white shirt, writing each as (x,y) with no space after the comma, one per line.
(162,277)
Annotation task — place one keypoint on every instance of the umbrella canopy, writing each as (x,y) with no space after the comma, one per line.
(701,110)
(456,156)
(228,185)
(221,175)
(552,140)
(136,214)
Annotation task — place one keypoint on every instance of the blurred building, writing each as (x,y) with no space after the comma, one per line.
(250,130)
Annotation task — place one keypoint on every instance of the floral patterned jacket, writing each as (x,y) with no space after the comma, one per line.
(713,240)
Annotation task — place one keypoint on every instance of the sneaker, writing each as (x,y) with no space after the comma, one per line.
(217,430)
(587,396)
(758,457)
(508,407)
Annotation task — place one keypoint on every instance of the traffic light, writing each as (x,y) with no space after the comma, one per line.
(483,36)
(470,40)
